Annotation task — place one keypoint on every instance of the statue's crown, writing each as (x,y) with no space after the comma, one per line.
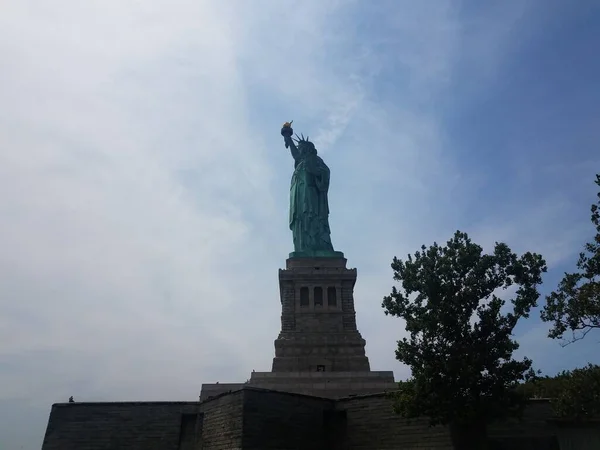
(302,140)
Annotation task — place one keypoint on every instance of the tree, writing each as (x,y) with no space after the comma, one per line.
(542,387)
(575,305)
(574,394)
(579,397)
(460,346)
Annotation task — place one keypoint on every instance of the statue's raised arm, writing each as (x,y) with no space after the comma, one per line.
(287,133)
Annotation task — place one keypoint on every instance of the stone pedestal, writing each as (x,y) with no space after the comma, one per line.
(318,323)
(319,350)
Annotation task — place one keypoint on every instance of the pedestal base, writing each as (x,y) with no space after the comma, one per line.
(325,384)
(317,254)
(319,351)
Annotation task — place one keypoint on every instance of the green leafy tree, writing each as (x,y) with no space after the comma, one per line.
(460,346)
(575,306)
(575,394)
(542,387)
(579,396)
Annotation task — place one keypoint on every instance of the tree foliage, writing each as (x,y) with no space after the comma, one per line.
(580,394)
(574,394)
(575,305)
(542,387)
(460,346)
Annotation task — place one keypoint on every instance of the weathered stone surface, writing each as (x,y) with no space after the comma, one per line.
(318,320)
(332,385)
(215,424)
(258,419)
(371,423)
(209,390)
(277,421)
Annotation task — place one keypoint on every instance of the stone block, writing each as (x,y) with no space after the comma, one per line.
(214,389)
(325,384)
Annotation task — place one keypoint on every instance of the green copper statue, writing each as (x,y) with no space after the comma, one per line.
(309,208)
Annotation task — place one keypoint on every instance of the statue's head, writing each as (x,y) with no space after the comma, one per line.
(305,146)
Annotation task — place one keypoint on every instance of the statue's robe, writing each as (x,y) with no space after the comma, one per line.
(309,208)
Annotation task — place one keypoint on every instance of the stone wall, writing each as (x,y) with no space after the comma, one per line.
(214,389)
(582,435)
(372,424)
(279,421)
(371,419)
(212,425)
(332,385)
(133,425)
(223,422)
(254,419)
(531,431)
(318,322)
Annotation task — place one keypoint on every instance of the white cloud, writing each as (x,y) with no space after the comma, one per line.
(105,249)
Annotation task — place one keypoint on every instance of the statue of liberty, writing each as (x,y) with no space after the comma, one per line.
(309,208)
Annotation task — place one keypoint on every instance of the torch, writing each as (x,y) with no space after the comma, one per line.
(287,132)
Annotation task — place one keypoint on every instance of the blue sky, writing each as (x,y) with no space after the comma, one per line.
(143,180)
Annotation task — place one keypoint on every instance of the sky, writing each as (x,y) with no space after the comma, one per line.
(144,182)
